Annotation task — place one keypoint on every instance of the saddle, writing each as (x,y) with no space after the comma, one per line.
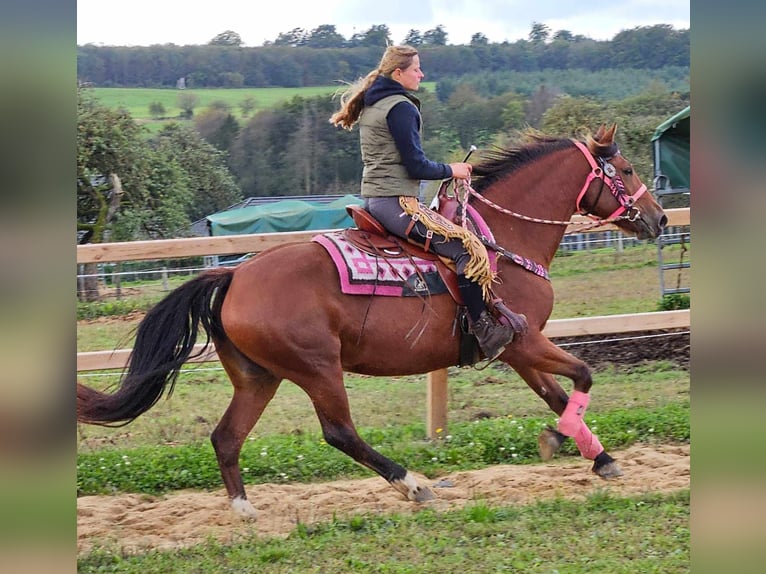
(371,237)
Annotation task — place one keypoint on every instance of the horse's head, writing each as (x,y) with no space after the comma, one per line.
(636,211)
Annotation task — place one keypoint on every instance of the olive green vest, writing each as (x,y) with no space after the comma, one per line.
(384,174)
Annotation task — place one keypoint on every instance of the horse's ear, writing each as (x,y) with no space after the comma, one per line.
(599,136)
(608,136)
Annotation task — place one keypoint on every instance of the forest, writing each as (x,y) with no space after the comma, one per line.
(322,57)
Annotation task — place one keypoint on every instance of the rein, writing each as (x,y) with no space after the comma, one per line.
(612,181)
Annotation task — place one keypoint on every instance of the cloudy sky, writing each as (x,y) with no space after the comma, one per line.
(147,22)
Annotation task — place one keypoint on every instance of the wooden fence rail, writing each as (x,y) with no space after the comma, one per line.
(232,244)
(436,415)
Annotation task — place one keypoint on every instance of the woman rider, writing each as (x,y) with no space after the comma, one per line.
(394,164)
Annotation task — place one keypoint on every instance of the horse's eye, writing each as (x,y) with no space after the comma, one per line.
(628,171)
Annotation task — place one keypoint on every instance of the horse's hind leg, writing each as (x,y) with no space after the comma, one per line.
(550,440)
(331,404)
(254,387)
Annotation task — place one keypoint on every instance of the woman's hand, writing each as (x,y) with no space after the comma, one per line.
(461,170)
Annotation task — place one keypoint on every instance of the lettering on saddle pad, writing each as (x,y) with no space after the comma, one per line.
(391,275)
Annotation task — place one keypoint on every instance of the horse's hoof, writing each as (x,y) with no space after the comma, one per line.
(608,470)
(242,508)
(410,488)
(423,494)
(549,442)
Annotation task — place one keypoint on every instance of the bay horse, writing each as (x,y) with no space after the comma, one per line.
(282,315)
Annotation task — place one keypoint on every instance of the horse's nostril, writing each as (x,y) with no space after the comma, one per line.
(663,221)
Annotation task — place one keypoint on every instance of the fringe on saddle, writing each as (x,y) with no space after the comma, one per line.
(478,268)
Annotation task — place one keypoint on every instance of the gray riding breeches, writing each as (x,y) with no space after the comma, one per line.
(390,214)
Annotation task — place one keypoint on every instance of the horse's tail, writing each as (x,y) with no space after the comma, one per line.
(165,340)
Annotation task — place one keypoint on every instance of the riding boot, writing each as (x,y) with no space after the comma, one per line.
(492,336)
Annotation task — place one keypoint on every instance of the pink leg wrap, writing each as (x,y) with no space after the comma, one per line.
(587,442)
(571,418)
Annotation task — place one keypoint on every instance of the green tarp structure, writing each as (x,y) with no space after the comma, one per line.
(287,215)
(670,146)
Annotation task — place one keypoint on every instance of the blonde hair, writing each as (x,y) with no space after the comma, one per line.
(352,100)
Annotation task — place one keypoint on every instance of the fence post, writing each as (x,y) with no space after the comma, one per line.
(165,279)
(436,409)
(117,280)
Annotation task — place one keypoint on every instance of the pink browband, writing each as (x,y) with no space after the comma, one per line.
(626,201)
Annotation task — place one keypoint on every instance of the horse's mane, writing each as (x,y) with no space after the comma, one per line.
(499,162)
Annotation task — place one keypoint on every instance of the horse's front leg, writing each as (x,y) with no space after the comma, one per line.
(546,386)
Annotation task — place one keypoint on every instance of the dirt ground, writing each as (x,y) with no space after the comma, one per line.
(135,522)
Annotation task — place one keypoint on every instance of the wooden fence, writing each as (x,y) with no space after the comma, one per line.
(436,417)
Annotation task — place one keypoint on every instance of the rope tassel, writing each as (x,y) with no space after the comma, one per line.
(478,268)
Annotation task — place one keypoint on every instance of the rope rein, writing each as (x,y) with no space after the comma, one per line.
(596,173)
(468,190)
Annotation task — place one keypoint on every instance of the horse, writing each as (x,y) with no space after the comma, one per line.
(282,315)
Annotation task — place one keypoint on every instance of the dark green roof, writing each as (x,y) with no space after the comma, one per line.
(671,123)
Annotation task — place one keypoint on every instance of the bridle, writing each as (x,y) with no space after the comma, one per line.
(607,173)
(603,171)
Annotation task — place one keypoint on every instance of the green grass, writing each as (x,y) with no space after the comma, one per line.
(203,393)
(603,533)
(306,457)
(138,100)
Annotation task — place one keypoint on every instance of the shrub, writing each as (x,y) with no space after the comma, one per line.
(674,301)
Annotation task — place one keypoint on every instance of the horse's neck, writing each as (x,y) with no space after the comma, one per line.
(547,190)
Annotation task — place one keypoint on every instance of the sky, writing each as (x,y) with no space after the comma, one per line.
(148,22)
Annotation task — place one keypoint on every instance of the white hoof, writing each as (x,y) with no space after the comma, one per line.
(410,488)
(243,508)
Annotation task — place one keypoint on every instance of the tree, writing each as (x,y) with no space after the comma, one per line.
(479,39)
(564,35)
(435,37)
(413,38)
(303,151)
(468,117)
(227,38)
(377,36)
(221,105)
(294,38)
(217,126)
(539,33)
(161,210)
(572,117)
(108,142)
(513,112)
(187,102)
(157,110)
(232,79)
(325,36)
(247,105)
(537,105)
(110,173)
(209,180)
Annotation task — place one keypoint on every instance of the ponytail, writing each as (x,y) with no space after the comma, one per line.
(352,100)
